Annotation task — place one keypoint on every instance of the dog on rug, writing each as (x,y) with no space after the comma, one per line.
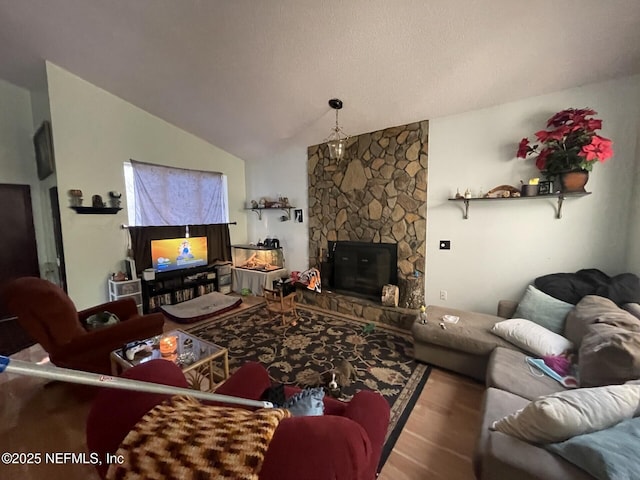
(341,376)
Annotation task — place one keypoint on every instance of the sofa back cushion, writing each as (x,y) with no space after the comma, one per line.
(608,355)
(594,309)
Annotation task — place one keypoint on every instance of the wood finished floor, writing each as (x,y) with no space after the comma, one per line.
(436,443)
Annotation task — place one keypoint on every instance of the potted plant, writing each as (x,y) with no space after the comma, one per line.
(569,147)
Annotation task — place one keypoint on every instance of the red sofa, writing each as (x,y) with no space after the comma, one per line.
(344,444)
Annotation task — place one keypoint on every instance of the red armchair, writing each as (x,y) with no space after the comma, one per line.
(343,444)
(49,316)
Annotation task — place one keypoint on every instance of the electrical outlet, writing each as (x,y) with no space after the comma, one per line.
(443,294)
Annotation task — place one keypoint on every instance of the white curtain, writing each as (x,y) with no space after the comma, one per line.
(177,196)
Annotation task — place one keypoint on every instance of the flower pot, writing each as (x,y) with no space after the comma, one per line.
(573,181)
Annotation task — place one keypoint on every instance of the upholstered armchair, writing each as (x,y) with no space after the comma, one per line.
(49,316)
(343,444)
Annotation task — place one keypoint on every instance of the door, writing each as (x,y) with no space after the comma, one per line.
(18,251)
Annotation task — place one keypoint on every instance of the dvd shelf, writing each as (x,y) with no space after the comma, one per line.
(179,286)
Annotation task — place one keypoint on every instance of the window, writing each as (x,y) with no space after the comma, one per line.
(159,195)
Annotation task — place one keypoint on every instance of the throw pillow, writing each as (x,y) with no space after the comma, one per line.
(594,309)
(633,309)
(562,415)
(307,403)
(543,309)
(608,453)
(100,320)
(609,355)
(531,337)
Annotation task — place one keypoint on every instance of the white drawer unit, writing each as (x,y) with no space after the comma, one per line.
(223,273)
(124,289)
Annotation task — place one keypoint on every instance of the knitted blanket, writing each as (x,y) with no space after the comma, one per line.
(183,439)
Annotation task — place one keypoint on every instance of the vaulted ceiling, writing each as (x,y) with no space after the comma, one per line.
(254,76)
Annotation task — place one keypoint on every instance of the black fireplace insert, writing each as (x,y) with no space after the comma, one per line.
(363,268)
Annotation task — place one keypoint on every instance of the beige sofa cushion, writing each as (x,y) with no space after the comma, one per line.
(609,355)
(471,334)
(508,370)
(559,416)
(594,309)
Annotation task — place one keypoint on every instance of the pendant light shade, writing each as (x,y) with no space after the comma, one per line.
(337,139)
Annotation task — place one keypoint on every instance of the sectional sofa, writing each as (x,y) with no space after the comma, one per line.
(605,340)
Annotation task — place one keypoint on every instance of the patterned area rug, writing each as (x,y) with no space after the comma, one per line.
(305,355)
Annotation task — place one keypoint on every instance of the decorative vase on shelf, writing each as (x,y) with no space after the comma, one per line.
(571,182)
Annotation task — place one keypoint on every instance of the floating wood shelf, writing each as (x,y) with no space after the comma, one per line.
(259,210)
(559,196)
(97,210)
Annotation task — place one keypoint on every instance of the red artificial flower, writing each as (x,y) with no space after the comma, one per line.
(557,134)
(593,124)
(560,118)
(523,148)
(599,149)
(541,161)
(575,115)
(584,111)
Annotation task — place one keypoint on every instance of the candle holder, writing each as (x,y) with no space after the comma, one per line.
(168,347)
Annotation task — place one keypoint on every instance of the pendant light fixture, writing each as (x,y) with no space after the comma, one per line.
(337,139)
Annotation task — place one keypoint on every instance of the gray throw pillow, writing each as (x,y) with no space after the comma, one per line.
(609,453)
(543,309)
(101,320)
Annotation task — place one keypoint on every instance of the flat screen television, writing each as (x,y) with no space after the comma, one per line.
(178,253)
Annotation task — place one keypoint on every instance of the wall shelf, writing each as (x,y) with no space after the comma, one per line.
(559,196)
(259,210)
(97,210)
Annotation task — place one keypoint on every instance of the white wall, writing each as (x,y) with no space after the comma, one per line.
(283,173)
(633,256)
(94,133)
(503,246)
(17,158)
(46,242)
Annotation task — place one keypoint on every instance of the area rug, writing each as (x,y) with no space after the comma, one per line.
(305,354)
(201,308)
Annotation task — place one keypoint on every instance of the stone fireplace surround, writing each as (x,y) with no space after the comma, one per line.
(377,193)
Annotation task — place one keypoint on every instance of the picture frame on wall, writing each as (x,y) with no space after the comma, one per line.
(43,143)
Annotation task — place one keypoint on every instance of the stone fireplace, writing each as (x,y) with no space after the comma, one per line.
(378,194)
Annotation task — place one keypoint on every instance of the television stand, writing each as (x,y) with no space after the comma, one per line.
(169,288)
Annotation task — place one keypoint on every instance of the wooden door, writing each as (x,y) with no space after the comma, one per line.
(18,251)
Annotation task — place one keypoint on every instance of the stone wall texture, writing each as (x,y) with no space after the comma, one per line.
(377,193)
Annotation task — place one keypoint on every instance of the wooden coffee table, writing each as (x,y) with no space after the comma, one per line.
(194,356)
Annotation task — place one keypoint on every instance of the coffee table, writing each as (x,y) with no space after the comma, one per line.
(194,356)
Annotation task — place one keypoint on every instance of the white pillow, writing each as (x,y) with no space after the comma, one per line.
(531,337)
(562,415)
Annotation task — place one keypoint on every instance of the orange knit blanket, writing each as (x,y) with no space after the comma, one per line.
(183,439)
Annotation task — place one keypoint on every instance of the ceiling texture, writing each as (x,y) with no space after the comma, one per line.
(254,76)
